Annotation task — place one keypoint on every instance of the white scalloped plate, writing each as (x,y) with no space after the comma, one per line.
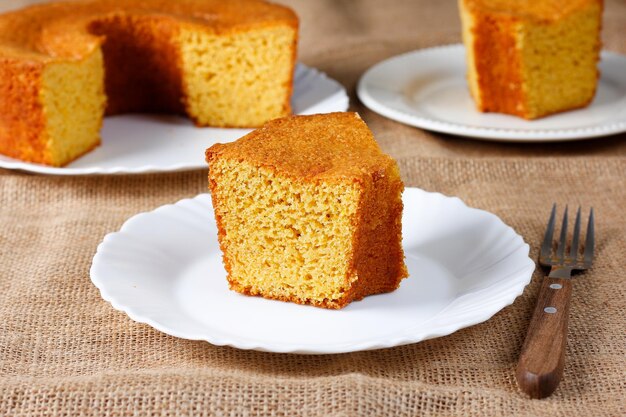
(427,89)
(141,143)
(164,268)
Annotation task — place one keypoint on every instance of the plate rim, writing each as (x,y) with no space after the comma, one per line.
(340,96)
(522,276)
(483,133)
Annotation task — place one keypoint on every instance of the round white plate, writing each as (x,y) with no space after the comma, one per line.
(164,268)
(141,143)
(427,89)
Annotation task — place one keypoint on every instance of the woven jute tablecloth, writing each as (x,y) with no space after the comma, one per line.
(64,351)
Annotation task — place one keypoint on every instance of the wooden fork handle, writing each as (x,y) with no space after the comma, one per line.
(540,366)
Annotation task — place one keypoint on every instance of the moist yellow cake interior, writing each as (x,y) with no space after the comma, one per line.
(269,213)
(73,93)
(242,61)
(559,61)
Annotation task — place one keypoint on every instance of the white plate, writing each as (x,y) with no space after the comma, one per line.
(427,89)
(164,268)
(133,144)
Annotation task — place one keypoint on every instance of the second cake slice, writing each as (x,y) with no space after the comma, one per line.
(308,210)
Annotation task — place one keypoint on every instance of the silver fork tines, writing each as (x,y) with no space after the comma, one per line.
(573,259)
(573,252)
(560,252)
(546,246)
(589,241)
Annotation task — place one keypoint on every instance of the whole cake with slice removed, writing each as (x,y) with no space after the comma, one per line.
(308,210)
(63,65)
(531,58)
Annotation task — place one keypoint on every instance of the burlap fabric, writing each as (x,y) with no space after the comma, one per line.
(64,351)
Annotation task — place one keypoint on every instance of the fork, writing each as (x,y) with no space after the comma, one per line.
(542,358)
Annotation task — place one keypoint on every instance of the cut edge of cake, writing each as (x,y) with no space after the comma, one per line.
(353,261)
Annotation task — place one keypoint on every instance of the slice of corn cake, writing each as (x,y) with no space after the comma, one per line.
(531,58)
(308,210)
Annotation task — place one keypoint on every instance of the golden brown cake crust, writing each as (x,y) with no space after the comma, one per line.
(544,10)
(273,146)
(291,147)
(21,113)
(498,65)
(48,31)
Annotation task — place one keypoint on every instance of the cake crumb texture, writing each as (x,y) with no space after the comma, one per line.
(308,210)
